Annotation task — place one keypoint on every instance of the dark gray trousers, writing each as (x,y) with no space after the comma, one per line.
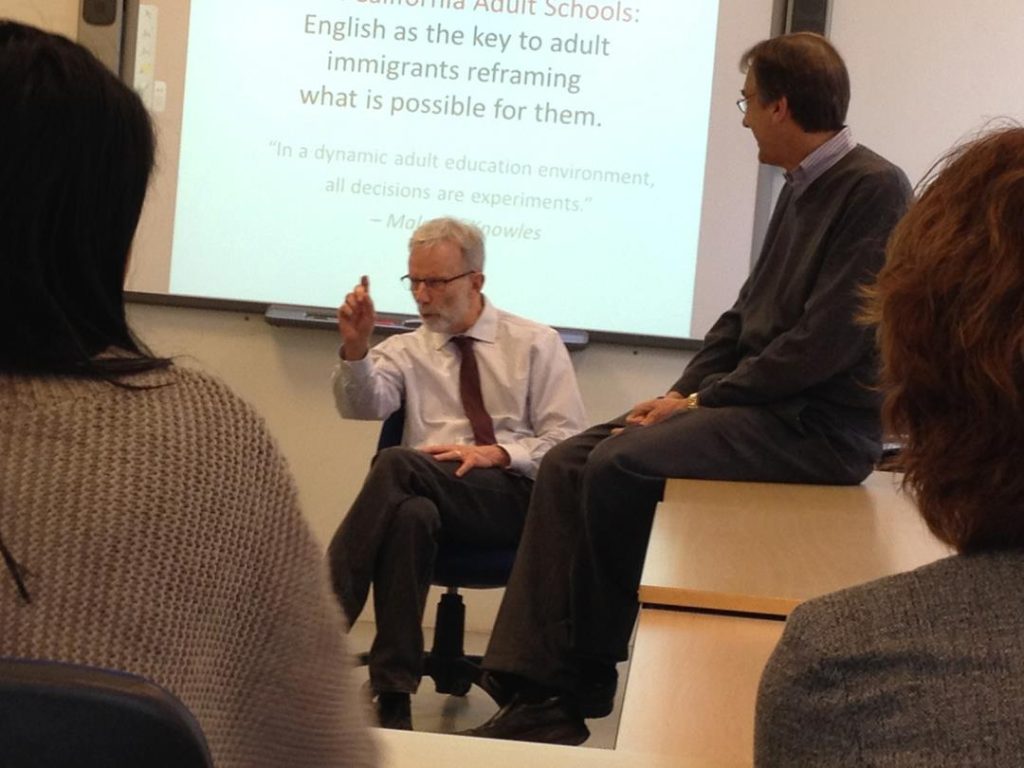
(408,505)
(573,591)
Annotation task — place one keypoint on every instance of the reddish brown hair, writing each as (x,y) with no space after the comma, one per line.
(950,308)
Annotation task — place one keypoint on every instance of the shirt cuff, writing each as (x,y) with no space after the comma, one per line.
(519,458)
(358,367)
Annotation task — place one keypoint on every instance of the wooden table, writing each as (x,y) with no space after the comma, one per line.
(766,547)
(693,683)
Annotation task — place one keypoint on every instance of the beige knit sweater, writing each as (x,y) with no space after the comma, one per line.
(162,536)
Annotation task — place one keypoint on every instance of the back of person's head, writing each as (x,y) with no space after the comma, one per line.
(76,151)
(950,307)
(806,69)
(468,237)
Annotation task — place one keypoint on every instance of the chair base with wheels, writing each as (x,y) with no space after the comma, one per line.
(451,668)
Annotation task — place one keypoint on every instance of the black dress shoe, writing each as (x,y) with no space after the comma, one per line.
(499,686)
(554,720)
(393,711)
(595,692)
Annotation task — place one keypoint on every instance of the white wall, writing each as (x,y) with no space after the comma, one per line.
(59,16)
(927,73)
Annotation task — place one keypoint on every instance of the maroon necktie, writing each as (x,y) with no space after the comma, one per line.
(472,397)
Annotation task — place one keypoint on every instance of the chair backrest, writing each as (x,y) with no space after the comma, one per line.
(57,715)
(391,430)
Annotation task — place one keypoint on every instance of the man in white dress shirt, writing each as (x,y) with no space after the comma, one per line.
(465,469)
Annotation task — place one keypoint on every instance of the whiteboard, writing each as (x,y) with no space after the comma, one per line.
(659,265)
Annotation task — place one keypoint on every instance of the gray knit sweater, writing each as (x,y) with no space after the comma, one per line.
(162,536)
(921,669)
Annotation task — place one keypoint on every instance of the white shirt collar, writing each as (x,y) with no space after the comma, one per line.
(820,160)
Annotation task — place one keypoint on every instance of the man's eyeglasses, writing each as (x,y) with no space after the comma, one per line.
(432,283)
(741,102)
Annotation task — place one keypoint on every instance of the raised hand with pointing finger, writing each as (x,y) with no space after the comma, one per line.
(356,319)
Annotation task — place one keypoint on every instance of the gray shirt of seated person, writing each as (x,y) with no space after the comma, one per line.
(922,670)
(791,337)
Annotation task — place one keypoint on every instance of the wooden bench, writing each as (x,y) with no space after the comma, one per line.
(726,563)
(693,683)
(766,547)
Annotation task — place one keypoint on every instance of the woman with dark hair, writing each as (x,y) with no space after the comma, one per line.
(147,520)
(77,151)
(926,668)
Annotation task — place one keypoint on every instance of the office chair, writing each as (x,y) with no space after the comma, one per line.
(57,715)
(457,566)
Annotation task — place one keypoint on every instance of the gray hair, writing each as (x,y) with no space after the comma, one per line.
(468,237)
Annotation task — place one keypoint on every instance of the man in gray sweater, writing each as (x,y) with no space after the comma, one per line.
(780,391)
